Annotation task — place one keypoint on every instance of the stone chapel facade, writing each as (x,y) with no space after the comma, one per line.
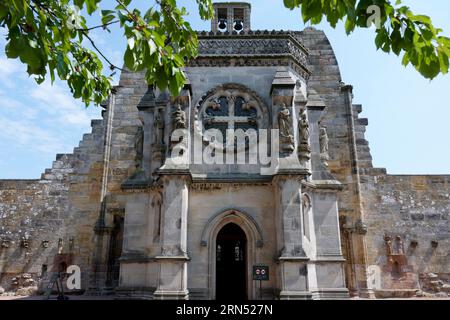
(144,219)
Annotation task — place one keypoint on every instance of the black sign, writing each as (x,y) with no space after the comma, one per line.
(261,273)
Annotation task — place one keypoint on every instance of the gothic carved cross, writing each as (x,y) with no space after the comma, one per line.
(232,118)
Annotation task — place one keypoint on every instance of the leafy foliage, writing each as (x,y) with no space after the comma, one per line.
(398,29)
(49,35)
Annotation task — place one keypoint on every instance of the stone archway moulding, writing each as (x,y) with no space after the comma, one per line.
(247,220)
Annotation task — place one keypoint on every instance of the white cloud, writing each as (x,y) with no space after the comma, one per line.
(9,67)
(27,134)
(44,119)
(8,103)
(56,100)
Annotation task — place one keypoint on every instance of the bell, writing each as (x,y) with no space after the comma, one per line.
(238,25)
(222,24)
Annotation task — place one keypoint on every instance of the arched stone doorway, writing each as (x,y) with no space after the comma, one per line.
(231,263)
(254,240)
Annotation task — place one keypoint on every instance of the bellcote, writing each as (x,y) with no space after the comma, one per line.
(231,17)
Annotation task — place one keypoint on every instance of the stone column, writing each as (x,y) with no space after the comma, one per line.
(357,237)
(172,277)
(230,16)
(174,174)
(292,255)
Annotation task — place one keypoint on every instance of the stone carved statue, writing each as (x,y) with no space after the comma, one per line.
(178,118)
(303,127)
(284,121)
(158,129)
(323,139)
(285,127)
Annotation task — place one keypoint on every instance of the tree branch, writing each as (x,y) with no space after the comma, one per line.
(99,26)
(112,65)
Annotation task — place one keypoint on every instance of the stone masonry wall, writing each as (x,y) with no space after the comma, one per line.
(38,219)
(415,209)
(408,229)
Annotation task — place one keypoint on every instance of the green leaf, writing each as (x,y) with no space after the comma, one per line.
(108,16)
(443,60)
(61,66)
(129,59)
(91,5)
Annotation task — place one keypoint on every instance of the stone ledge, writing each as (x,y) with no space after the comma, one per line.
(331,258)
(134,293)
(330,294)
(136,259)
(395,293)
(324,184)
(173,258)
(293,259)
(171,295)
(296,295)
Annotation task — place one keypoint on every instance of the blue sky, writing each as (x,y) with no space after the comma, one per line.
(409,128)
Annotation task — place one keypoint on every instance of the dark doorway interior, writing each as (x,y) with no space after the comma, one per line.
(115,251)
(231,267)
